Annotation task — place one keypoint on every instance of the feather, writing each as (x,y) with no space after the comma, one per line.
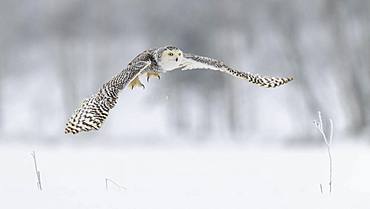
(94,110)
(191,62)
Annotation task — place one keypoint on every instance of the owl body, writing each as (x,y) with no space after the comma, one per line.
(94,110)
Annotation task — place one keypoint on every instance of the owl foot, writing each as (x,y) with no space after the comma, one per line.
(136,83)
(152,74)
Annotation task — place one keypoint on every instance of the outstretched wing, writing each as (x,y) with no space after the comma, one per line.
(191,62)
(94,110)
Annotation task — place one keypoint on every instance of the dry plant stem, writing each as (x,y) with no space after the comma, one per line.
(319,126)
(330,167)
(38,174)
(329,153)
(114,183)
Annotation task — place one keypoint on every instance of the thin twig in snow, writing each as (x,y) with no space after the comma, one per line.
(38,174)
(319,126)
(114,183)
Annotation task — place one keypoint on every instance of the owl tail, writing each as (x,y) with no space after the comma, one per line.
(264,81)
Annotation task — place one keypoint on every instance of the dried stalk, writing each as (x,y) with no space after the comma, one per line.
(114,183)
(38,174)
(328,142)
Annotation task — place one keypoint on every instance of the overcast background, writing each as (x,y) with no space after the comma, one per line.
(53,54)
(194,139)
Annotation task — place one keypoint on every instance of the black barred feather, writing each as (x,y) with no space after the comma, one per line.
(264,81)
(94,110)
(198,62)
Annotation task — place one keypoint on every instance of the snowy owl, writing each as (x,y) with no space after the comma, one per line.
(150,63)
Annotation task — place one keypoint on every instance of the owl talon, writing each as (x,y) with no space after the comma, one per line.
(152,74)
(135,83)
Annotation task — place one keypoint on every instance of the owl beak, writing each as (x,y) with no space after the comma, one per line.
(177,59)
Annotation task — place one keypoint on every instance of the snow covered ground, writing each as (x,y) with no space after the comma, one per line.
(183,178)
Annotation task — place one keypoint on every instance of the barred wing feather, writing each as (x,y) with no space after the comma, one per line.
(94,110)
(192,61)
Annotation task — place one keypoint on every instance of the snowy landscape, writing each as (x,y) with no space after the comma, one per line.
(221,176)
(194,139)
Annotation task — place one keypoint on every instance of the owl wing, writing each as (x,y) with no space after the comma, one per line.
(191,61)
(94,110)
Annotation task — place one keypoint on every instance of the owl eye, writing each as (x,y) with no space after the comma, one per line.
(170,54)
(179,54)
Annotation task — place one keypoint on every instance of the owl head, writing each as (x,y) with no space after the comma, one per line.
(169,57)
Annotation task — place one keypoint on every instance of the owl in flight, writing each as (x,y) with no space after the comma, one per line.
(94,110)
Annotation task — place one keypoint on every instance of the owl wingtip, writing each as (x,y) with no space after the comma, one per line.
(67,131)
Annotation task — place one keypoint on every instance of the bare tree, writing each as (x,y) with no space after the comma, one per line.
(2,75)
(348,73)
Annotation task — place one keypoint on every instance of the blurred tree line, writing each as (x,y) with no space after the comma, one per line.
(77,45)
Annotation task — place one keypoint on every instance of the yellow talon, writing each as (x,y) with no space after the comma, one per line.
(136,82)
(152,74)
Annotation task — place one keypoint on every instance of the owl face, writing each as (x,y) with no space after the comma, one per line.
(170,58)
